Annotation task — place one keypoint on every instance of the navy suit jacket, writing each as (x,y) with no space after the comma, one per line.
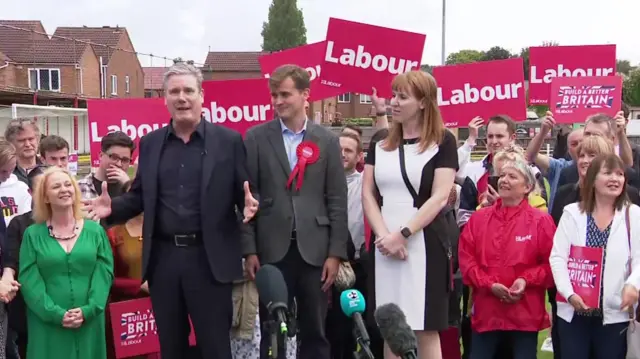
(221,191)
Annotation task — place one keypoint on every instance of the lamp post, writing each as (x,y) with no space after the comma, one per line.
(444,31)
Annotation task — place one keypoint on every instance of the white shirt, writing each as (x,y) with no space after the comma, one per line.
(355,215)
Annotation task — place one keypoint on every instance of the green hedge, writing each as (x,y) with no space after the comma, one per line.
(362,122)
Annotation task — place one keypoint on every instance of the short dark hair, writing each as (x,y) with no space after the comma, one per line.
(609,161)
(117,138)
(355,128)
(511,126)
(52,143)
(355,138)
(625,109)
(300,77)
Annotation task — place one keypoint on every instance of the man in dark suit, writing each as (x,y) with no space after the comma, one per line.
(191,177)
(301,230)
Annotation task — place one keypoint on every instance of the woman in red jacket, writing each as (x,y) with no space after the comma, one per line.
(504,257)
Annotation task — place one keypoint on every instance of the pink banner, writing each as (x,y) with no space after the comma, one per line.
(548,62)
(307,56)
(134,328)
(484,89)
(573,99)
(360,56)
(237,104)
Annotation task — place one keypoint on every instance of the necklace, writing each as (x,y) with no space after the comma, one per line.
(64,238)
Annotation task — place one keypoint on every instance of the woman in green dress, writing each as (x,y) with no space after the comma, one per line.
(66,271)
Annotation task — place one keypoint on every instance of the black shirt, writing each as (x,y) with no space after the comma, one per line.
(114,189)
(179,179)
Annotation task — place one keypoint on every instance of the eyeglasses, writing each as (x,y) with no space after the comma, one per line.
(115,158)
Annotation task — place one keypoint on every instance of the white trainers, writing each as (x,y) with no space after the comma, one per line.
(547,345)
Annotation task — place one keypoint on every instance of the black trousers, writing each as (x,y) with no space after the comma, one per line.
(181,285)
(303,284)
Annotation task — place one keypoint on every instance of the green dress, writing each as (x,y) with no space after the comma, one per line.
(54,282)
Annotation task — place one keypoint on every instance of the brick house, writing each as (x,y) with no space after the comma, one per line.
(36,70)
(245,65)
(119,72)
(153,81)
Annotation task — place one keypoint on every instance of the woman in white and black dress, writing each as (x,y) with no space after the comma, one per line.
(412,247)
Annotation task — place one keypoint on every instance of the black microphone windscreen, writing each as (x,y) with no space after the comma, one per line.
(271,286)
(394,329)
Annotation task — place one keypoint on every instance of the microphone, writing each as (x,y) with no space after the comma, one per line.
(273,294)
(353,305)
(396,332)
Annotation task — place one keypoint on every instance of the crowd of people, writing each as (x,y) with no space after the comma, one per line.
(466,249)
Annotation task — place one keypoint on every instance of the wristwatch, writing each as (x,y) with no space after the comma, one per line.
(406,232)
(380,114)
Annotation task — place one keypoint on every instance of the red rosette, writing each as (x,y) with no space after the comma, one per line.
(308,153)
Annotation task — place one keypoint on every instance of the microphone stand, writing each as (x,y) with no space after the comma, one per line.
(277,328)
(362,346)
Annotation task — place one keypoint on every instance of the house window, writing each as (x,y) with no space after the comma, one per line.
(344,98)
(44,79)
(127,88)
(365,99)
(114,84)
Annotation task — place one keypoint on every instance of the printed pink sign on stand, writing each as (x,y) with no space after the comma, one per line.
(307,56)
(360,56)
(548,62)
(573,99)
(484,89)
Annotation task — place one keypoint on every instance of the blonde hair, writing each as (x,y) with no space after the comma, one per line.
(42,210)
(595,145)
(514,157)
(7,151)
(425,89)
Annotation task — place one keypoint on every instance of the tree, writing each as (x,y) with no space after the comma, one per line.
(285,28)
(426,68)
(550,43)
(524,54)
(624,67)
(497,53)
(631,88)
(465,57)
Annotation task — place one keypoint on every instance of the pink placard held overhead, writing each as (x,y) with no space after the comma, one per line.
(573,99)
(360,56)
(484,89)
(237,104)
(307,56)
(548,62)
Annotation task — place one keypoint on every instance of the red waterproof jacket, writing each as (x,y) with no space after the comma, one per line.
(499,245)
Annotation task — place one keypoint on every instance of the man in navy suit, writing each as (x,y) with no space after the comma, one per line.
(191,178)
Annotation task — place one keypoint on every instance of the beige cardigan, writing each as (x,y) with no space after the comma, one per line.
(245,309)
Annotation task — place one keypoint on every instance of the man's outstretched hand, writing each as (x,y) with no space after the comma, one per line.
(99,207)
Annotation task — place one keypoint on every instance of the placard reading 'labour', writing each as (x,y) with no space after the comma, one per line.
(548,62)
(308,56)
(573,99)
(236,104)
(135,117)
(360,56)
(484,89)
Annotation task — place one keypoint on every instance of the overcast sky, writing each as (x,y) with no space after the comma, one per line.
(188,28)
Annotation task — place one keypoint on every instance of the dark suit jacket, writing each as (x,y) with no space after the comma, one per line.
(319,208)
(223,175)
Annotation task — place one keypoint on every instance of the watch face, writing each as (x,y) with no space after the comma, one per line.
(405,232)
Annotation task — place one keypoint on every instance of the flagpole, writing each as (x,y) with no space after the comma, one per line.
(444,31)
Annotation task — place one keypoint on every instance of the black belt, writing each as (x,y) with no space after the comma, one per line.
(184,239)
